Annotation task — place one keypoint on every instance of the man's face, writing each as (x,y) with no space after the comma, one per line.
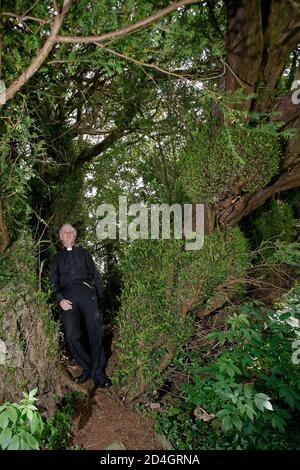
(67,236)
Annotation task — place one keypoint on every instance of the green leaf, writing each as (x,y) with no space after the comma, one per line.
(227,423)
(12,414)
(4,419)
(250,412)
(14,443)
(262,396)
(29,414)
(237,422)
(285,316)
(230,370)
(223,413)
(5,438)
(36,424)
(248,391)
(33,393)
(24,446)
(4,406)
(29,439)
(237,370)
(278,422)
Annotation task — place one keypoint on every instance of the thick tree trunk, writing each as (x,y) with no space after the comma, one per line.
(29,335)
(31,358)
(260,38)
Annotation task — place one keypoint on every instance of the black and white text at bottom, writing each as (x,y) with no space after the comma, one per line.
(151,459)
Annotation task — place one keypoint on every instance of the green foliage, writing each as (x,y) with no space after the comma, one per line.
(21,424)
(149,328)
(215,159)
(160,280)
(57,429)
(250,387)
(18,262)
(16,169)
(280,252)
(273,222)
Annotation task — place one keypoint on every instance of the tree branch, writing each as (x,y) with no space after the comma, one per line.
(24,18)
(246,204)
(88,155)
(42,54)
(128,29)
(155,67)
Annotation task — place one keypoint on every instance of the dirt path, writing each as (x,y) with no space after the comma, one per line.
(103,421)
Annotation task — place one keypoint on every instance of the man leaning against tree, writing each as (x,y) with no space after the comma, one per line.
(76,284)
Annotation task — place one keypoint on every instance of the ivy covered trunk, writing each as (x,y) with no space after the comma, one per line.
(29,335)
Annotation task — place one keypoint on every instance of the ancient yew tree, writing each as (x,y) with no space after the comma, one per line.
(165,102)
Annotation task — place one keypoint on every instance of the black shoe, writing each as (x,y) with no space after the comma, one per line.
(81,379)
(105,384)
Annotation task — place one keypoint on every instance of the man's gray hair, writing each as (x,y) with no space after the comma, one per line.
(67,225)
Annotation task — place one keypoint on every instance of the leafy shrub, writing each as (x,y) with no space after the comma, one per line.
(250,388)
(21,424)
(22,427)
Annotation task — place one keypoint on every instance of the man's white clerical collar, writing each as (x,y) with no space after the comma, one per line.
(69,248)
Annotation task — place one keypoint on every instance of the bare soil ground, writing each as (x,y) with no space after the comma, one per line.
(102,419)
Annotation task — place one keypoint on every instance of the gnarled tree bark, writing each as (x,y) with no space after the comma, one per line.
(260,38)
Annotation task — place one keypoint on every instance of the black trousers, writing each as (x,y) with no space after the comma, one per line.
(85,314)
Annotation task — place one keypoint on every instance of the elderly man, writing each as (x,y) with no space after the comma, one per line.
(76,283)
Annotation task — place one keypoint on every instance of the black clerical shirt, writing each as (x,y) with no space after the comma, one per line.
(72,266)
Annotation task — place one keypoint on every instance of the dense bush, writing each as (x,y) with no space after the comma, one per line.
(272,221)
(214,160)
(163,285)
(247,394)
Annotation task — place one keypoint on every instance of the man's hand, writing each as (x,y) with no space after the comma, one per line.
(66,304)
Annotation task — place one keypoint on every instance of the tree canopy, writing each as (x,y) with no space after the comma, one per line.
(165,102)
